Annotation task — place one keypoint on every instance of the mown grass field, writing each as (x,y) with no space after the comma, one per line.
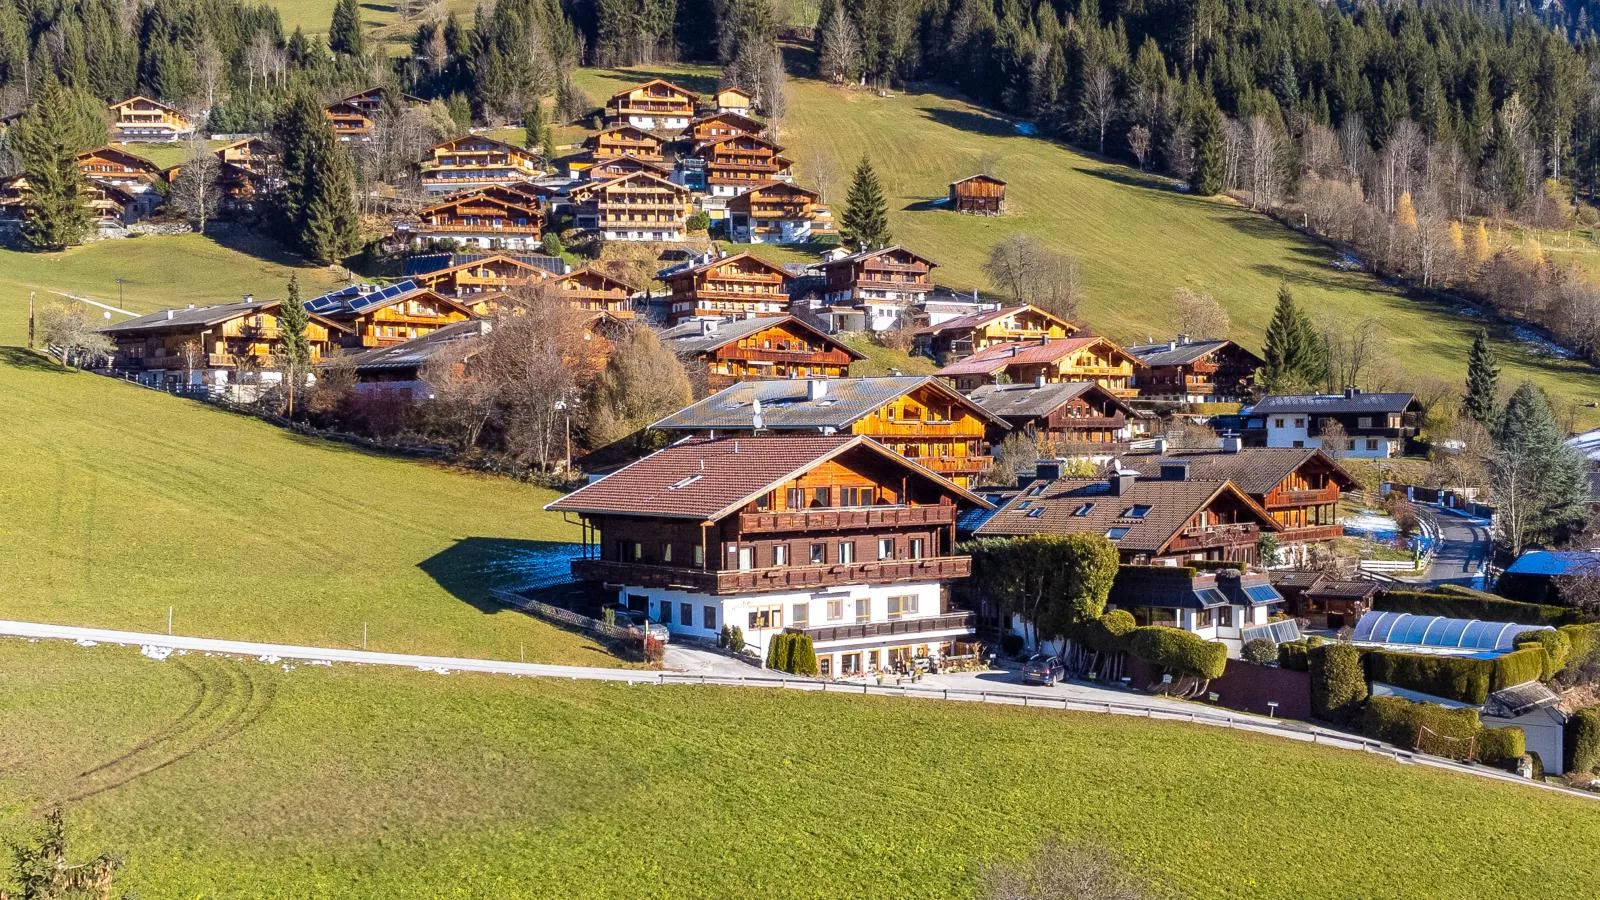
(383,783)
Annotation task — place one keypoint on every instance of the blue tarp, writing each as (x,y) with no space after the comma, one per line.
(1555,562)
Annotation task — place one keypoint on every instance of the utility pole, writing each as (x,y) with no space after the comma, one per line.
(30,320)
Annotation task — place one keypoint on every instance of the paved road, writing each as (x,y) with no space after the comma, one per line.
(1463,551)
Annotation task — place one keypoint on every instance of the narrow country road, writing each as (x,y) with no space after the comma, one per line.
(1463,551)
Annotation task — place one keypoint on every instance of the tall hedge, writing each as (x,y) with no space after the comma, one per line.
(1105,633)
(1292,656)
(803,656)
(1518,667)
(1582,640)
(1178,651)
(1557,647)
(1454,677)
(1479,606)
(780,651)
(1338,684)
(1398,722)
(1583,741)
(1502,746)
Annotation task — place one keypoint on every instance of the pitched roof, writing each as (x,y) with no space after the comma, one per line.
(725,116)
(1184,588)
(979,319)
(860,255)
(1017,401)
(477,138)
(1073,505)
(691,337)
(1180,353)
(1256,470)
(1353,589)
(999,357)
(109,150)
(425,263)
(1333,404)
(137,98)
(628,90)
(976,177)
(707,480)
(417,351)
(360,299)
(785,405)
(179,319)
(695,268)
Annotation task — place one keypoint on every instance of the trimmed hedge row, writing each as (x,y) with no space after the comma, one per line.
(1453,677)
(1473,606)
(1338,684)
(1582,640)
(1397,721)
(1292,656)
(1583,741)
(1106,633)
(1519,667)
(792,653)
(1557,648)
(1178,651)
(1502,746)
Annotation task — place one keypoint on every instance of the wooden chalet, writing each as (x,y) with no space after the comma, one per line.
(626,140)
(1158,519)
(1066,419)
(778,212)
(210,344)
(729,286)
(252,153)
(590,289)
(916,416)
(476,161)
(637,207)
(111,206)
(129,171)
(1374,426)
(830,536)
(1081,358)
(481,277)
(867,291)
(140,119)
(1189,371)
(736,164)
(377,317)
(958,338)
(733,100)
(978,195)
(716,126)
(720,352)
(1323,601)
(656,105)
(618,166)
(355,117)
(401,369)
(491,218)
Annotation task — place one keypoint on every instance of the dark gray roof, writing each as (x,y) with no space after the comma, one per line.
(1256,470)
(417,351)
(1519,699)
(190,317)
(1030,401)
(1165,354)
(785,405)
(690,338)
(1333,404)
(422,264)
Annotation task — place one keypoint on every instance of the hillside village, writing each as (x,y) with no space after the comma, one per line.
(768,444)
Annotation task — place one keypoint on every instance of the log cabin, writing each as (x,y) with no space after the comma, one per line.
(978,195)
(958,338)
(625,140)
(656,105)
(1074,419)
(475,161)
(139,119)
(491,218)
(728,286)
(831,536)
(778,212)
(735,164)
(869,290)
(251,153)
(915,416)
(732,100)
(481,277)
(1189,371)
(718,353)
(211,345)
(591,289)
(637,207)
(377,317)
(1159,519)
(1080,358)
(721,125)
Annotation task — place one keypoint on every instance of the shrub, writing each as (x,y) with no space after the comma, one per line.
(1582,641)
(655,650)
(1292,656)
(778,651)
(1178,651)
(1452,677)
(698,221)
(1106,633)
(1260,651)
(722,636)
(1518,667)
(736,640)
(552,244)
(1502,747)
(803,656)
(1400,722)
(1337,683)
(1583,741)
(1471,605)
(1556,646)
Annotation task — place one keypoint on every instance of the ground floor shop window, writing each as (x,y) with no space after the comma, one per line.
(850,664)
(825,666)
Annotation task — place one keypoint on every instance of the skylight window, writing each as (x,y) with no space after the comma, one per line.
(1117,534)
(1037,489)
(1083,510)
(684,482)
(1036,512)
(1137,511)
(1024,504)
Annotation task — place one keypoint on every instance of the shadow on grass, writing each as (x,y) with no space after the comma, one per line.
(698,84)
(29,360)
(470,567)
(1117,173)
(932,204)
(973,120)
(251,243)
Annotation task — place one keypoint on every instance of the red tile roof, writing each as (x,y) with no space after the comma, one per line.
(1001,356)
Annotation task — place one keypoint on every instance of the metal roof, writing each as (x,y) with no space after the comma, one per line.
(1026,400)
(1328,404)
(786,404)
(1177,353)
(358,298)
(691,337)
(1556,562)
(433,262)
(417,351)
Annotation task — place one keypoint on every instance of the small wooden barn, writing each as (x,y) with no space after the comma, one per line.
(979,195)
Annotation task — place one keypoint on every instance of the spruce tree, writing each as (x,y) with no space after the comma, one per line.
(330,228)
(533,127)
(1296,359)
(866,212)
(1540,482)
(344,32)
(45,146)
(1482,378)
(295,352)
(316,205)
(1209,152)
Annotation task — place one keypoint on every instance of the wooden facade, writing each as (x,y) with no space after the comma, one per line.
(979,195)
(1074,419)
(491,218)
(958,338)
(734,286)
(111,165)
(223,338)
(656,105)
(476,161)
(618,166)
(626,140)
(732,100)
(590,289)
(721,125)
(1091,358)
(355,117)
(490,275)
(736,164)
(142,119)
(637,207)
(719,353)
(397,319)
(1187,371)
(110,206)
(778,213)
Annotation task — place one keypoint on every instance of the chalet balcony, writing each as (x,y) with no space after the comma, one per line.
(1204,537)
(1083,422)
(1310,534)
(832,519)
(800,357)
(458,228)
(955,465)
(777,578)
(959,621)
(1329,494)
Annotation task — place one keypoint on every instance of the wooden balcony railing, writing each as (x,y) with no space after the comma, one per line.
(1329,494)
(824,519)
(485,228)
(1309,533)
(778,578)
(800,357)
(1117,421)
(956,465)
(1207,536)
(961,621)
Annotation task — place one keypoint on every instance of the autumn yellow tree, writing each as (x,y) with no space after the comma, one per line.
(1458,240)
(1480,245)
(1533,250)
(1405,212)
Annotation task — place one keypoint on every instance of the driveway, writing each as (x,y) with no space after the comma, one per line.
(1463,551)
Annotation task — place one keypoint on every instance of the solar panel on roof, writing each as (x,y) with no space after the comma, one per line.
(1276,632)
(1263,593)
(1210,596)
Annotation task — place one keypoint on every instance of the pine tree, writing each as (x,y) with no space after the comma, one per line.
(1482,378)
(344,32)
(1540,482)
(1209,152)
(533,127)
(330,229)
(1296,358)
(295,352)
(866,211)
(316,205)
(44,146)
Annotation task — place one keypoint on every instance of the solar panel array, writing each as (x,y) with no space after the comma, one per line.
(355,299)
(1276,632)
(1440,632)
(1263,593)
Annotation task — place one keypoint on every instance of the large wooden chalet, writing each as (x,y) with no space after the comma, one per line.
(378,317)
(778,213)
(637,207)
(832,536)
(355,117)
(210,344)
(721,125)
(1066,419)
(735,164)
(485,276)
(490,218)
(868,291)
(1190,371)
(626,140)
(110,206)
(656,105)
(475,161)
(719,353)
(960,337)
(1081,358)
(915,416)
(979,195)
(729,286)
(599,171)
(590,289)
(111,165)
(139,119)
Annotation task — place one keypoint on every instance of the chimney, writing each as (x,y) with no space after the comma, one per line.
(1161,446)
(1048,469)
(1038,380)
(1232,443)
(169,315)
(756,421)
(249,298)
(1121,480)
(1175,470)
(708,326)
(1172,345)
(816,388)
(1044,339)
(1351,391)
(1183,338)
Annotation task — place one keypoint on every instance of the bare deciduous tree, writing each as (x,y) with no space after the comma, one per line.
(1027,271)
(1139,143)
(839,57)
(1099,100)
(1263,150)
(69,333)
(1200,316)
(1059,870)
(195,193)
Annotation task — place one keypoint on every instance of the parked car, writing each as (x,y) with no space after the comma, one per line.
(632,618)
(1041,669)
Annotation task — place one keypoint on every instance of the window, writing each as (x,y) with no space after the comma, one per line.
(684,482)
(795,498)
(854,496)
(638,551)
(700,555)
(1036,512)
(1083,510)
(1277,423)
(800,615)
(916,548)
(1299,422)
(850,664)
(666,551)
(1225,616)
(1117,534)
(820,497)
(771,617)
(1025,504)
(902,606)
(847,552)
(764,502)
(1137,511)
(686,613)
(886,548)
(780,555)
(863,609)
(708,618)
(1372,443)
(825,666)
(819,554)
(666,612)
(1364,422)
(835,610)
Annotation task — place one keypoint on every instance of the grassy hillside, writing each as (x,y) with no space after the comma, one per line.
(383,783)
